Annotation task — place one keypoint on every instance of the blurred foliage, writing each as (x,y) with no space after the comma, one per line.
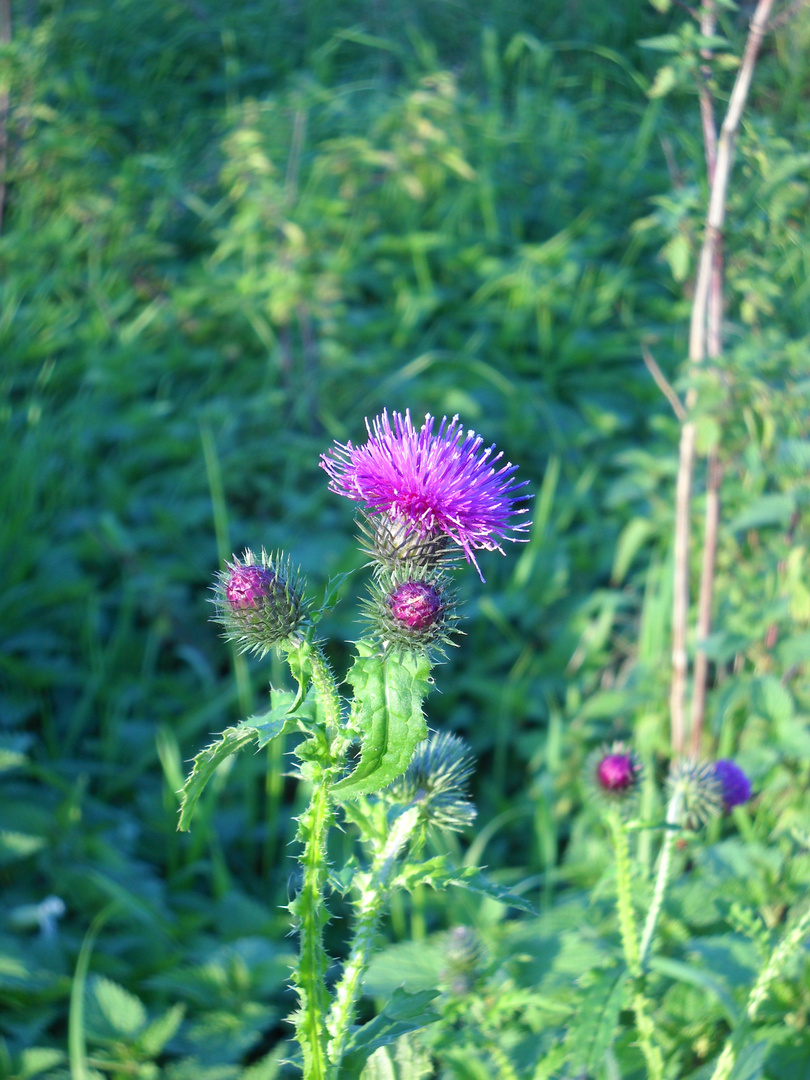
(230,233)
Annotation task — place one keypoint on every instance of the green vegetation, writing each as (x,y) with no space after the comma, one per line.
(232,231)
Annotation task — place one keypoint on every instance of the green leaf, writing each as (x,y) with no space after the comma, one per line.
(17,845)
(206,762)
(703,980)
(665,43)
(278,720)
(38,1060)
(157,1034)
(749,1065)
(281,717)
(121,1012)
(388,695)
(592,1033)
(438,873)
(772,509)
(402,1014)
(634,535)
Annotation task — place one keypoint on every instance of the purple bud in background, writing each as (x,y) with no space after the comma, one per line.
(617,773)
(416,604)
(735,786)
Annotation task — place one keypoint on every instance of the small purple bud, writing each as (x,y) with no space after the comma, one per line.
(416,604)
(260,603)
(735,786)
(617,773)
(247,586)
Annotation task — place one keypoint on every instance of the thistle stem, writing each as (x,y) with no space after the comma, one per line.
(375,887)
(309,910)
(624,893)
(673,821)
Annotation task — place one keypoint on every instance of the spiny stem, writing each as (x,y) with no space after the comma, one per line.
(646,1038)
(324,683)
(310,913)
(375,888)
(624,893)
(662,879)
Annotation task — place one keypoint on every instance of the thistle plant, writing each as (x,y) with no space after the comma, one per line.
(427,497)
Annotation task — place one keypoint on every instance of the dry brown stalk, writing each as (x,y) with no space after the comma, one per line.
(706,312)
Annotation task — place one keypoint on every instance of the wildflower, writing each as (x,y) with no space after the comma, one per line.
(259,604)
(436,780)
(436,483)
(734,784)
(617,773)
(614,772)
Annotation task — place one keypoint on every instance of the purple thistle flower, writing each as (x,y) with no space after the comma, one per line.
(435,483)
(617,772)
(735,786)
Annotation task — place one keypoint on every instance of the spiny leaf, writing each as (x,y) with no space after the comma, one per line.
(592,1032)
(389,691)
(402,1014)
(263,729)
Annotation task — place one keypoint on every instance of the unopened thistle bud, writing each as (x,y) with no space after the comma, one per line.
(393,546)
(260,604)
(698,791)
(463,960)
(417,613)
(735,787)
(615,773)
(436,781)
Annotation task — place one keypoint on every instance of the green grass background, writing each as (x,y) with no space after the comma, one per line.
(230,233)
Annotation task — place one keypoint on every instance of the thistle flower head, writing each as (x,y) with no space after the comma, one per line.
(614,772)
(434,483)
(260,604)
(617,772)
(735,787)
(697,789)
(436,781)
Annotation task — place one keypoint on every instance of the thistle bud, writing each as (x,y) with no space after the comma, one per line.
(615,771)
(416,605)
(698,791)
(436,781)
(735,787)
(260,604)
(395,546)
(463,960)
(416,613)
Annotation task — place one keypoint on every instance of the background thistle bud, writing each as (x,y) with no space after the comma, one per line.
(698,788)
(463,960)
(615,773)
(735,787)
(260,604)
(436,781)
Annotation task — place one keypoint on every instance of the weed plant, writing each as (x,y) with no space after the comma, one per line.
(228,235)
